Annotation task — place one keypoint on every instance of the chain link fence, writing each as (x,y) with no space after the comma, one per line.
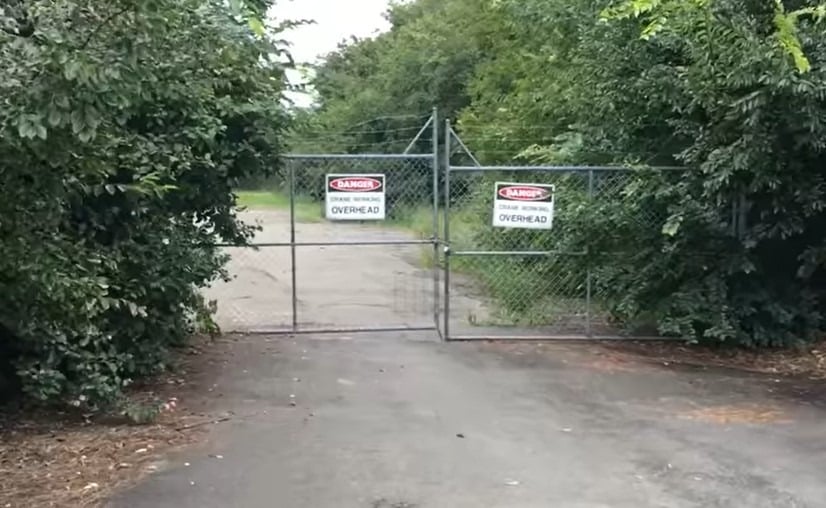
(307,273)
(257,296)
(433,259)
(516,281)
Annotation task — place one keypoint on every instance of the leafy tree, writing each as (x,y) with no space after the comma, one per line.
(374,94)
(749,126)
(123,128)
(731,248)
(665,15)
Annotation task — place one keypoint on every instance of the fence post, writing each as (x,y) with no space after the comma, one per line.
(588,276)
(446,227)
(436,277)
(294,292)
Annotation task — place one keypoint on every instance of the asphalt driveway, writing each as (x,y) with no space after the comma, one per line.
(394,421)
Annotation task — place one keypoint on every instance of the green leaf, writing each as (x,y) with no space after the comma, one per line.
(257,26)
(26,129)
(786,25)
(672,225)
(55,117)
(71,70)
(78,122)
(86,135)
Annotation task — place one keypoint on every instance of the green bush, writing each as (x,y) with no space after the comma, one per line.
(734,250)
(731,249)
(124,127)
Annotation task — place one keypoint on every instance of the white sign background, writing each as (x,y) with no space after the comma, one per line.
(355,197)
(523,206)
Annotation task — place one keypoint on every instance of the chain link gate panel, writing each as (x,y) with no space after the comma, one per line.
(518,282)
(306,273)
(367,275)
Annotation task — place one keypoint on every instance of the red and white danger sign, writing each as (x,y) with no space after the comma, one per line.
(523,206)
(355,197)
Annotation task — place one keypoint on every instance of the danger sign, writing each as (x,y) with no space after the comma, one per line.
(355,197)
(523,206)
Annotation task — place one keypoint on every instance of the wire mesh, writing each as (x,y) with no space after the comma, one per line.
(257,296)
(308,272)
(408,193)
(305,272)
(537,282)
(343,286)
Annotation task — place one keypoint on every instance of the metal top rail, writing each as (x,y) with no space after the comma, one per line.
(357,156)
(554,168)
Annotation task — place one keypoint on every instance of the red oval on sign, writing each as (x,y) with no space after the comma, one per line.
(524,193)
(355,184)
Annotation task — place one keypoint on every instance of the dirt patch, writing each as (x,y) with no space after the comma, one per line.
(807,362)
(583,354)
(611,363)
(51,458)
(737,414)
(78,464)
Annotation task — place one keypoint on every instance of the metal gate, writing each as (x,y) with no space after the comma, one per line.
(520,281)
(308,274)
(436,262)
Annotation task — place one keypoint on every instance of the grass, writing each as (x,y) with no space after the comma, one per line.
(521,298)
(306,210)
(419,221)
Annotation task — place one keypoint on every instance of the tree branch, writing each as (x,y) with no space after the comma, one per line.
(106,21)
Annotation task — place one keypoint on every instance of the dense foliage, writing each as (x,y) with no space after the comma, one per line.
(123,127)
(733,90)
